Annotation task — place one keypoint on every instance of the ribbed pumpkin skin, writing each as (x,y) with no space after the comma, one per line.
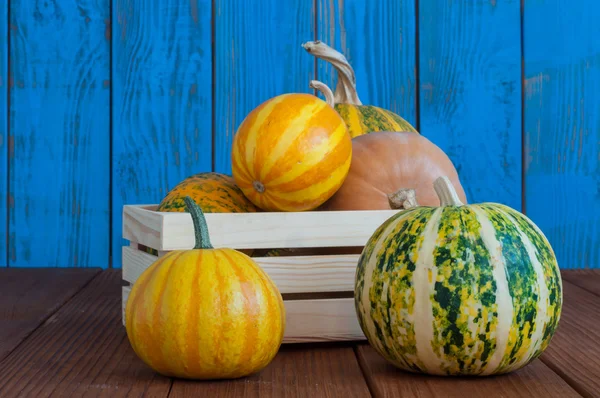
(296,147)
(214,192)
(363,119)
(205,314)
(458,290)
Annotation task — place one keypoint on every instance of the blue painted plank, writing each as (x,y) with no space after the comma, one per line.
(162,108)
(470,92)
(3,133)
(258,55)
(59,123)
(378,40)
(562,126)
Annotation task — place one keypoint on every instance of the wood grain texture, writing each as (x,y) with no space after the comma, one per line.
(574,352)
(30,296)
(258,55)
(470,92)
(3,133)
(81,349)
(378,39)
(59,133)
(586,279)
(162,102)
(295,274)
(174,231)
(562,98)
(301,371)
(321,320)
(536,379)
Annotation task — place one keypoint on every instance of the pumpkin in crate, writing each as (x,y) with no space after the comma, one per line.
(458,289)
(361,119)
(214,192)
(291,153)
(393,170)
(205,313)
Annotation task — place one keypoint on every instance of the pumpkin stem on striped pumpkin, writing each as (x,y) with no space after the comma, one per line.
(345,91)
(446,192)
(324,89)
(200,226)
(403,199)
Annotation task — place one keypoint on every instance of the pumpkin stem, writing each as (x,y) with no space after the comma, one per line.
(446,192)
(324,89)
(200,226)
(403,199)
(345,91)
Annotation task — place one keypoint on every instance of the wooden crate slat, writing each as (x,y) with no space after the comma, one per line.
(143,225)
(310,320)
(298,274)
(134,263)
(174,231)
(321,320)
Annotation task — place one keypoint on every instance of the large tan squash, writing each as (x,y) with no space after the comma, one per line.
(387,165)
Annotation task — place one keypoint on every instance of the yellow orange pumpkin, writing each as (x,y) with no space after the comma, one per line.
(205,313)
(291,153)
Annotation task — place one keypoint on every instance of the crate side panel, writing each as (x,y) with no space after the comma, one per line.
(142,226)
(276,230)
(297,274)
(321,320)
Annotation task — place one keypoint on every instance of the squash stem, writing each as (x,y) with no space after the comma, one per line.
(446,192)
(200,226)
(345,91)
(403,199)
(324,89)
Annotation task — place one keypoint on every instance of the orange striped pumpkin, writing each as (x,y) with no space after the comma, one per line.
(214,192)
(291,153)
(205,313)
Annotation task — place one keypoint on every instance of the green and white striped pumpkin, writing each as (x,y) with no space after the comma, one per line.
(458,289)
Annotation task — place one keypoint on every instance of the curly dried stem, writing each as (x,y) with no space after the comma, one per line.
(324,89)
(345,91)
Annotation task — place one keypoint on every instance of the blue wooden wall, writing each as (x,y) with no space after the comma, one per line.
(112,102)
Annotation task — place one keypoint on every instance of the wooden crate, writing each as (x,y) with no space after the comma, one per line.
(317,290)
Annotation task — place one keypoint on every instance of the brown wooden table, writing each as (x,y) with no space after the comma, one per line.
(61,335)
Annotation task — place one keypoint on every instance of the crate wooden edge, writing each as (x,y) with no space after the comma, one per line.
(264,230)
(317,320)
(293,274)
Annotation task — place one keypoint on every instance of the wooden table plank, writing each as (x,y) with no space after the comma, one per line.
(385,380)
(588,279)
(81,349)
(30,296)
(574,352)
(296,371)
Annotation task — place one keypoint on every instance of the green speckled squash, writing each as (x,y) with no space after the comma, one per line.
(458,289)
(360,119)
